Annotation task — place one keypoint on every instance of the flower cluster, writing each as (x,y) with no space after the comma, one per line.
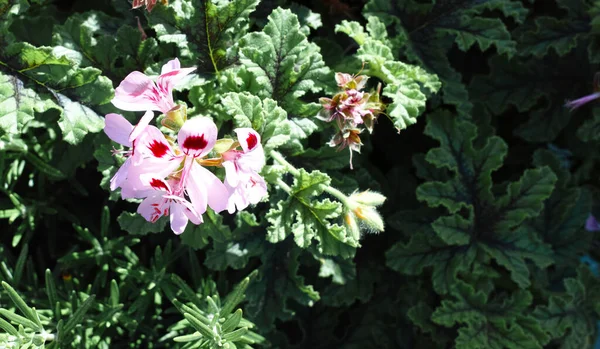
(351,108)
(169,173)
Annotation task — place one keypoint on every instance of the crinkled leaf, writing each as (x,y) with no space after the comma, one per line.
(18,104)
(283,61)
(306,217)
(277,283)
(569,316)
(490,323)
(203,31)
(269,120)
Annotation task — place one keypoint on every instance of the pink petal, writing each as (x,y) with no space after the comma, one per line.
(121,176)
(178,218)
(248,138)
(137,92)
(167,82)
(231,173)
(154,144)
(197,136)
(117,128)
(141,126)
(196,189)
(138,187)
(251,189)
(252,161)
(204,184)
(153,207)
(187,208)
(170,66)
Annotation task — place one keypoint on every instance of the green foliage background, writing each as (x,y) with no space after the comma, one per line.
(489,181)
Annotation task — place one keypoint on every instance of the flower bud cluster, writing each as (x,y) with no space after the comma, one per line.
(169,173)
(350,108)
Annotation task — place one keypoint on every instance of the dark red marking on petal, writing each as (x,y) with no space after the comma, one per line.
(195,142)
(158,149)
(251,140)
(158,184)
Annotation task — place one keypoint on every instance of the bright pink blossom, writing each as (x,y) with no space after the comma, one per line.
(137,92)
(242,168)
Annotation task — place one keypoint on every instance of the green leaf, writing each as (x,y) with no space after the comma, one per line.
(561,222)
(569,316)
(204,31)
(79,315)
(306,217)
(284,63)
(550,33)
(498,322)
(522,83)
(525,197)
(479,223)
(19,104)
(135,224)
(269,120)
(77,120)
(278,282)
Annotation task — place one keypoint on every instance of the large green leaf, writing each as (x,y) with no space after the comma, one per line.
(490,322)
(205,32)
(284,63)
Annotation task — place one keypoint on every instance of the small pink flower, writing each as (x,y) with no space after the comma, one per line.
(162,200)
(137,92)
(242,180)
(150,153)
(196,138)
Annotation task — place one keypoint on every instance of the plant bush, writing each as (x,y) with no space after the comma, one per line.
(335,174)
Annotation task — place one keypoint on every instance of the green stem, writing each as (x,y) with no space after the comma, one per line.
(294,171)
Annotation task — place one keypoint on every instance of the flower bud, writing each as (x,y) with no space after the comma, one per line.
(175,118)
(368,197)
(352,225)
(362,206)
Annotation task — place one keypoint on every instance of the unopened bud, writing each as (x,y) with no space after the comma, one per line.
(352,225)
(175,118)
(362,206)
(224,144)
(367,197)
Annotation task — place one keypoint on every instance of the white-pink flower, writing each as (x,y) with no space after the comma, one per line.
(150,153)
(162,200)
(137,92)
(242,168)
(196,138)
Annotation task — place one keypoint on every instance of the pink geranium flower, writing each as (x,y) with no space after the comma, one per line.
(162,200)
(137,92)
(242,180)
(196,138)
(150,153)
